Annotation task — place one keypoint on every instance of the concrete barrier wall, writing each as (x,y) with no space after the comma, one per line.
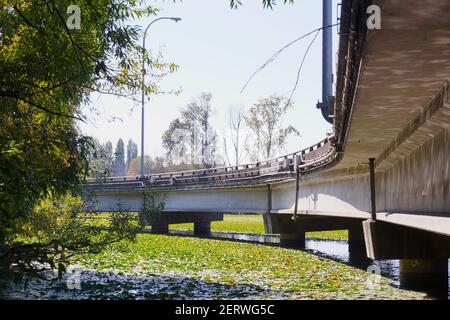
(420,182)
(349,197)
(220,200)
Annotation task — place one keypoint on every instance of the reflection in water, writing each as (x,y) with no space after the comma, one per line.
(338,250)
(333,249)
(106,285)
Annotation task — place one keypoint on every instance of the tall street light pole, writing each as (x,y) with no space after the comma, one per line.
(143,87)
(327,61)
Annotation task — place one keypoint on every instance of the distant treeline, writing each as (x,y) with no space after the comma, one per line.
(191,141)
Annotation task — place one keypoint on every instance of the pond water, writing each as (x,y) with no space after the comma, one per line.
(111,285)
(338,250)
(332,249)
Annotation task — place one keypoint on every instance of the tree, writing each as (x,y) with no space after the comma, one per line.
(108,149)
(119,158)
(151,166)
(207,133)
(266,3)
(235,141)
(101,161)
(192,135)
(175,141)
(49,70)
(197,116)
(265,119)
(132,152)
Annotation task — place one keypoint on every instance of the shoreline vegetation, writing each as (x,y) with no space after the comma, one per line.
(172,267)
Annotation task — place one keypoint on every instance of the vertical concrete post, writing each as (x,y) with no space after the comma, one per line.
(356,242)
(160,228)
(266,217)
(372,189)
(297,187)
(429,275)
(293,240)
(202,228)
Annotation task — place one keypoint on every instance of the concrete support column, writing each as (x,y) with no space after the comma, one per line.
(160,228)
(430,275)
(267,223)
(266,217)
(293,240)
(356,243)
(202,228)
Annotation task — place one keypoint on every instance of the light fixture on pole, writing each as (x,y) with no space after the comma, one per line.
(143,87)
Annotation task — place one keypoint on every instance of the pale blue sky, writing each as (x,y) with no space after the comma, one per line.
(217,49)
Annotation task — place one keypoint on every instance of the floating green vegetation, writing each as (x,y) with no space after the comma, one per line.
(231,223)
(172,267)
(221,269)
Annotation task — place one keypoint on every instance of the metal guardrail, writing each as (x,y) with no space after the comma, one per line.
(304,160)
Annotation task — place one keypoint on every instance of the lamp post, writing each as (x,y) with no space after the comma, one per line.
(143,86)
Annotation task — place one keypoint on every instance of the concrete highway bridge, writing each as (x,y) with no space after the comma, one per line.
(383,174)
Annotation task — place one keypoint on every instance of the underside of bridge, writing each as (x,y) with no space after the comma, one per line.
(392,104)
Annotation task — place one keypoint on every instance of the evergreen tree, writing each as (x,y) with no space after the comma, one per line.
(119,158)
(132,152)
(108,149)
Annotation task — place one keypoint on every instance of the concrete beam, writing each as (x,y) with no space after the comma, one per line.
(188,217)
(202,228)
(284,223)
(389,241)
(202,221)
(432,222)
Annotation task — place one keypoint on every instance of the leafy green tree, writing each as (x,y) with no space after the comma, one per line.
(101,161)
(108,149)
(49,70)
(177,144)
(57,234)
(265,120)
(151,165)
(202,112)
(192,134)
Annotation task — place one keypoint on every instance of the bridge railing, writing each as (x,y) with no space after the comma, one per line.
(304,160)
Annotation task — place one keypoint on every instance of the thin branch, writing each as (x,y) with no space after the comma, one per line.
(300,68)
(55,113)
(278,52)
(70,37)
(25,19)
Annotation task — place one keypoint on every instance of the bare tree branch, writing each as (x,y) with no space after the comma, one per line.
(278,52)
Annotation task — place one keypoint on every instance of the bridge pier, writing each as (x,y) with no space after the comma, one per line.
(202,228)
(201,220)
(356,243)
(423,255)
(430,275)
(293,240)
(160,228)
(267,223)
